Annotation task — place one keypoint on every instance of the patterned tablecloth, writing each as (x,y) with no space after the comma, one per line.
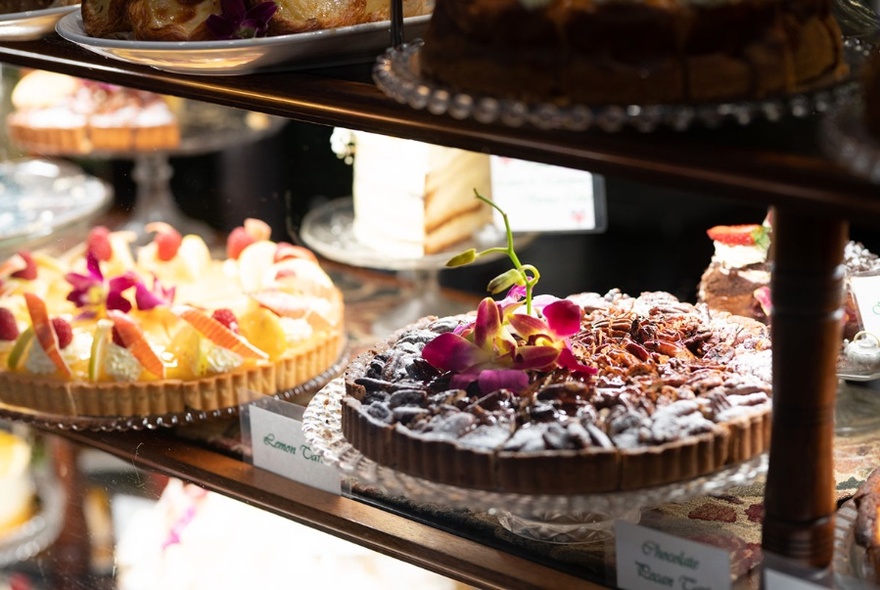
(731,520)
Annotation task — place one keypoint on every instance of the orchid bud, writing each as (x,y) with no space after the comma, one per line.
(463,258)
(505,281)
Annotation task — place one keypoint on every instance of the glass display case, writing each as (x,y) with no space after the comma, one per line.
(765,164)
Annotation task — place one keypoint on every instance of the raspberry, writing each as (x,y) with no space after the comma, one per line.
(237,241)
(8,327)
(63,332)
(29,272)
(227,318)
(98,243)
(117,337)
(167,244)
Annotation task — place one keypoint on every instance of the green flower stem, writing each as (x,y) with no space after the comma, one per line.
(529,273)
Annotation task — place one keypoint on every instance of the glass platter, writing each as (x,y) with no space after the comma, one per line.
(559,518)
(329,230)
(846,141)
(42,528)
(848,562)
(32,24)
(344,45)
(153,422)
(397,74)
(40,197)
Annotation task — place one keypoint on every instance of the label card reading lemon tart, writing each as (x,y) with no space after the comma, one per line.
(647,558)
(545,198)
(280,446)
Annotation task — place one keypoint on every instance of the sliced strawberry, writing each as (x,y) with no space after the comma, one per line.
(98,243)
(134,340)
(738,235)
(281,303)
(286,250)
(12,265)
(29,272)
(257,229)
(167,239)
(8,325)
(219,334)
(44,332)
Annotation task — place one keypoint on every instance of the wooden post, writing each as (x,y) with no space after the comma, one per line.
(807,286)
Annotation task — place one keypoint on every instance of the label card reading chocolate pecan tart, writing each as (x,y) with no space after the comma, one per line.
(280,446)
(647,558)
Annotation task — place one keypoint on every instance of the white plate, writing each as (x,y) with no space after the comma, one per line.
(242,56)
(32,24)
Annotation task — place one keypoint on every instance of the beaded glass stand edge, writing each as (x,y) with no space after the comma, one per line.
(322,425)
(153,422)
(397,74)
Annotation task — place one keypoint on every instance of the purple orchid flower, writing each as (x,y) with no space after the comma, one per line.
(96,295)
(149,298)
(237,22)
(496,350)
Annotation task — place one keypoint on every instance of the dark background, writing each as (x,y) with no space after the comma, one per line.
(655,237)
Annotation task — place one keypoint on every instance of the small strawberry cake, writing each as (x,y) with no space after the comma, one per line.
(738,277)
(108,329)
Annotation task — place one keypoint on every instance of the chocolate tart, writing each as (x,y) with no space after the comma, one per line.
(680,392)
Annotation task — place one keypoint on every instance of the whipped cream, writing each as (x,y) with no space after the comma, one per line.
(738,256)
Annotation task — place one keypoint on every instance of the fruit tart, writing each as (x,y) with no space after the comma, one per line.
(109,329)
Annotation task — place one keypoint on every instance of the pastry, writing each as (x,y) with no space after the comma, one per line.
(59,114)
(737,279)
(188,20)
(107,330)
(625,52)
(413,198)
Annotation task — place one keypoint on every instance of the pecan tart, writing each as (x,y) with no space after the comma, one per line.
(644,391)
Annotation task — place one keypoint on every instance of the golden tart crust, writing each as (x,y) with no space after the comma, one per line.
(171,396)
(711,430)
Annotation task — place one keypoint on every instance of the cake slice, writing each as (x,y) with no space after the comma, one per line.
(413,198)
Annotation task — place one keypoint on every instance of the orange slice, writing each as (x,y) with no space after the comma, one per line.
(134,340)
(218,333)
(45,333)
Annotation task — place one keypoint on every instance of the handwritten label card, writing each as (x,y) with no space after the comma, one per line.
(280,446)
(866,290)
(541,197)
(648,559)
(774,580)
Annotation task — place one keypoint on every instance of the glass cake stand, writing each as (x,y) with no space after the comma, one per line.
(40,198)
(397,74)
(546,517)
(212,128)
(329,230)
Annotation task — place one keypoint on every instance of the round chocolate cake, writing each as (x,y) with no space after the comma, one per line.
(631,52)
(655,391)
